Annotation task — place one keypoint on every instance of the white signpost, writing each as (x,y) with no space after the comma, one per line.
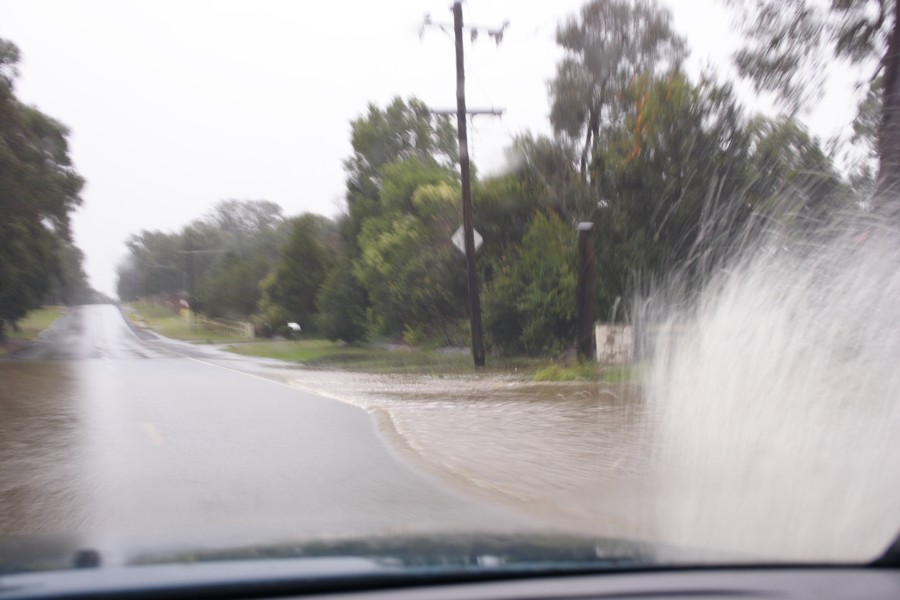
(459,239)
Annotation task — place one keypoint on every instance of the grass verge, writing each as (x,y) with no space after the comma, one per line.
(162,320)
(589,371)
(404,360)
(377,359)
(30,326)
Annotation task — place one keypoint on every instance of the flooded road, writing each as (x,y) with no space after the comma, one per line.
(110,436)
(774,480)
(572,452)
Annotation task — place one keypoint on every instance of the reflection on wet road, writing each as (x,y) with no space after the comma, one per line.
(109,434)
(42,444)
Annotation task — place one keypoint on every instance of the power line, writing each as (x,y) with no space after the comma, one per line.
(496,33)
(494,112)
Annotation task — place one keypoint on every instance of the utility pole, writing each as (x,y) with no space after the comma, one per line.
(189,257)
(464,176)
(189,271)
(474,300)
(584,293)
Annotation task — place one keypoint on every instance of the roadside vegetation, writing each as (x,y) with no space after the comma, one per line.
(372,356)
(670,168)
(586,371)
(36,321)
(399,359)
(171,323)
(29,327)
(39,191)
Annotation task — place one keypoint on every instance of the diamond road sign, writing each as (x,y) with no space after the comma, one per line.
(459,239)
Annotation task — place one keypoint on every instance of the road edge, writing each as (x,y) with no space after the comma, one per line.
(140,332)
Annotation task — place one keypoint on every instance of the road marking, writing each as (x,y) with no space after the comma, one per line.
(207,362)
(218,366)
(152,433)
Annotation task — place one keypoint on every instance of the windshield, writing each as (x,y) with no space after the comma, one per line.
(592,281)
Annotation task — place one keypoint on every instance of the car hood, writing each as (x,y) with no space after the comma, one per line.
(327,564)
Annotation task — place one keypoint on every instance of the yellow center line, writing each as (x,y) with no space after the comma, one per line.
(152,433)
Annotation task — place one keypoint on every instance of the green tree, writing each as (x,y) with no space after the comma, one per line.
(866,127)
(231,289)
(793,178)
(402,132)
(681,176)
(609,43)
(244,218)
(790,42)
(289,293)
(155,265)
(672,179)
(412,274)
(530,304)
(39,189)
(341,303)
(69,282)
(180,262)
(27,250)
(503,208)
(546,168)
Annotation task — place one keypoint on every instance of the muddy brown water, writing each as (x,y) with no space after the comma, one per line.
(596,458)
(573,452)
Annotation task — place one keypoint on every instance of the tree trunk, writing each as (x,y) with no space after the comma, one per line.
(887,187)
(590,141)
(585,151)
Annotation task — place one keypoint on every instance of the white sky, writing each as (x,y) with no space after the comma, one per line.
(176,104)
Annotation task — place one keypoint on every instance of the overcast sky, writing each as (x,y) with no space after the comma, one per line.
(176,104)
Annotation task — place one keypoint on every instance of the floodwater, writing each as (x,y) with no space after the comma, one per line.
(107,432)
(42,435)
(604,459)
(574,452)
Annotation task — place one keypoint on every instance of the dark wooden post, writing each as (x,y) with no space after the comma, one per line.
(584,294)
(468,229)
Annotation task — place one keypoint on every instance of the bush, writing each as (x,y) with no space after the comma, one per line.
(530,305)
(581,370)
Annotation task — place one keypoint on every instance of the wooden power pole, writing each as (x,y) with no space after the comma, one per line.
(584,293)
(464,175)
(469,236)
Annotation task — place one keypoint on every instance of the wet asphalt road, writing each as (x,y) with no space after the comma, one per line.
(111,436)
(128,443)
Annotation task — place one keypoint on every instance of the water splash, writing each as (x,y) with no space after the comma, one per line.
(776,397)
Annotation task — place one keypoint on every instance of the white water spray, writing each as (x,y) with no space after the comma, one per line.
(775,396)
